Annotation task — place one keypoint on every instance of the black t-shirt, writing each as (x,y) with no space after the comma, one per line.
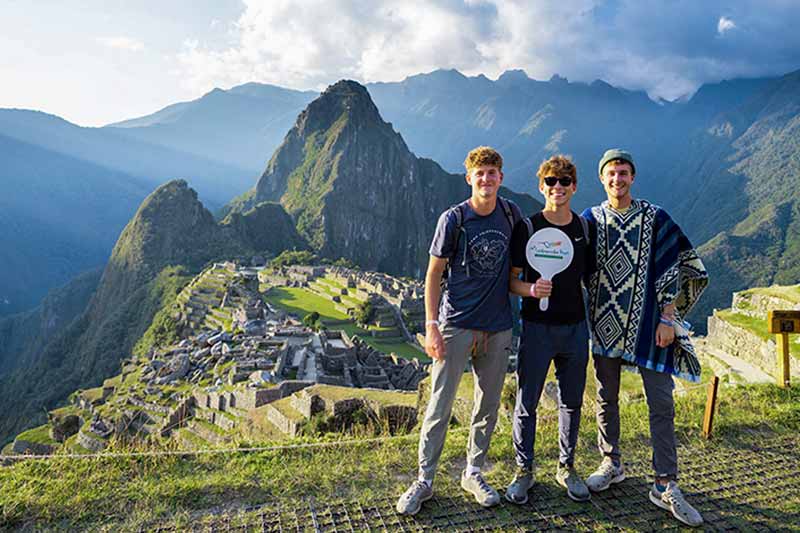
(566,301)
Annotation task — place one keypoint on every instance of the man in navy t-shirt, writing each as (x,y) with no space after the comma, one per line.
(472,322)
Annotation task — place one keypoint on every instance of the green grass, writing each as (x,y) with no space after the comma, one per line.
(335,393)
(67,410)
(127,493)
(93,394)
(285,407)
(333,282)
(790,293)
(38,435)
(300,302)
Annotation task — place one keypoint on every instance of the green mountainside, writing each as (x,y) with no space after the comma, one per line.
(171,237)
(751,157)
(59,216)
(355,190)
(23,333)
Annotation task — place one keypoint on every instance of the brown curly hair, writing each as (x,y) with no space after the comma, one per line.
(483,155)
(557,165)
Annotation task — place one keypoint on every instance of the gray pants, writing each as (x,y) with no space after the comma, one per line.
(567,346)
(658,390)
(489,352)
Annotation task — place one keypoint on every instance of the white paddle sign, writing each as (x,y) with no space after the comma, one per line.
(549,251)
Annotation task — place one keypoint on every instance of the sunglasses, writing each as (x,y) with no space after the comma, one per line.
(565,181)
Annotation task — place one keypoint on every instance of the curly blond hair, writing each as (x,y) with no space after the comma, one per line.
(483,155)
(558,166)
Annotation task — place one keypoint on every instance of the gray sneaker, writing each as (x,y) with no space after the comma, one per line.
(411,501)
(606,475)
(672,500)
(478,487)
(517,491)
(568,478)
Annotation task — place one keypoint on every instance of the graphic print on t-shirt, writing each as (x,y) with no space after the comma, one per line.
(487,251)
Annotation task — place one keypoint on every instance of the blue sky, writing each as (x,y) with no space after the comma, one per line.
(96,62)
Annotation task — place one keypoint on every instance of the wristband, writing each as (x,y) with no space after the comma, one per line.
(432,323)
(664,320)
(533,290)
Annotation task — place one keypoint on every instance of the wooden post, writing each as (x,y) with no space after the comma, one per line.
(782,375)
(711,406)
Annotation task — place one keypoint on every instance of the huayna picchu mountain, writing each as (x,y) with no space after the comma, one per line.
(354,188)
(171,237)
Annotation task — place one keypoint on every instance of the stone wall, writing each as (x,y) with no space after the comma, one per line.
(757,304)
(177,417)
(252,398)
(23,447)
(91,443)
(747,346)
(285,424)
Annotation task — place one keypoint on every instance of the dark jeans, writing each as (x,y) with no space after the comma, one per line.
(568,347)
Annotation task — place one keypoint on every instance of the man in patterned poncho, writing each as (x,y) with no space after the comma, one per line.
(647,279)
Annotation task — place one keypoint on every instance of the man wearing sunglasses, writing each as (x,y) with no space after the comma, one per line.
(648,278)
(558,334)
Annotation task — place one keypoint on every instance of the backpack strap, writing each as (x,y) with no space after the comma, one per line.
(529,226)
(458,212)
(585,227)
(508,210)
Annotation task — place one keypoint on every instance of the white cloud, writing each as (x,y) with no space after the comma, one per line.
(724,25)
(122,43)
(629,43)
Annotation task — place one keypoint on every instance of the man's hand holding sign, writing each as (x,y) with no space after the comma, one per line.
(549,251)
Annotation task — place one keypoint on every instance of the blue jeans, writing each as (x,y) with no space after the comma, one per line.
(567,346)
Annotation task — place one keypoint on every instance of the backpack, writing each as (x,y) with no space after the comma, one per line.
(458,211)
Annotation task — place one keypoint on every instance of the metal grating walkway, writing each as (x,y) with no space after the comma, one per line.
(755,488)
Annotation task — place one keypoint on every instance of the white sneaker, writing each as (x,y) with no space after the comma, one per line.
(606,475)
(672,499)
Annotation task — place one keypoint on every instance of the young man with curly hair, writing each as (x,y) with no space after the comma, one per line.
(472,323)
(558,334)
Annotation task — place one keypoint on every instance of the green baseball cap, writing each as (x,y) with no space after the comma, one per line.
(615,153)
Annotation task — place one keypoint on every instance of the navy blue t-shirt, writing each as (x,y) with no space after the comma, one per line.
(477,288)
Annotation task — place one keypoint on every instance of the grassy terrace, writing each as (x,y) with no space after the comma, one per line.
(131,493)
(790,293)
(39,435)
(383,397)
(300,302)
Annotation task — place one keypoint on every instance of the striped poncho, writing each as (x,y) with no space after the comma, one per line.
(644,262)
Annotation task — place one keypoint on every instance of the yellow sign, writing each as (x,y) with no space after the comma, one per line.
(782,323)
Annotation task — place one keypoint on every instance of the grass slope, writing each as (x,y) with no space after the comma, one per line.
(126,493)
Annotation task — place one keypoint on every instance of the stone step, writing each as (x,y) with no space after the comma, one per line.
(207,431)
(188,440)
(284,416)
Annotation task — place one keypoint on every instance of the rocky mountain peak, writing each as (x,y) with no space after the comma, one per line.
(354,188)
(171,226)
(513,77)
